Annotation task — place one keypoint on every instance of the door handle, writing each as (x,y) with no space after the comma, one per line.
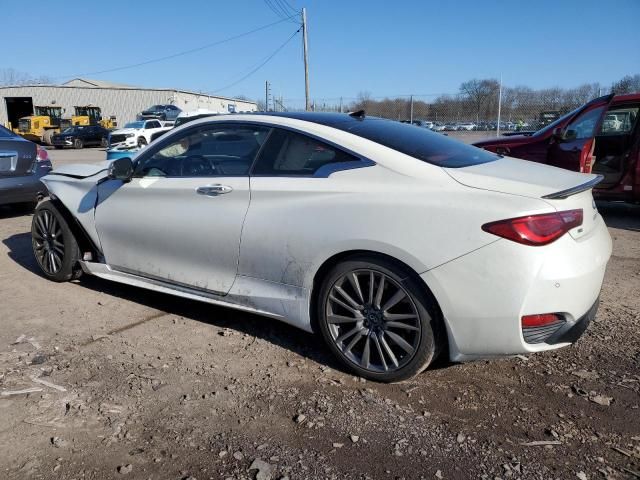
(213,190)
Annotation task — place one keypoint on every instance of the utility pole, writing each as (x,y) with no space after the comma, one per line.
(411,114)
(267,88)
(499,107)
(306,60)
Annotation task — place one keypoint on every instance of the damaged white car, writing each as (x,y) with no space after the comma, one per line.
(392,242)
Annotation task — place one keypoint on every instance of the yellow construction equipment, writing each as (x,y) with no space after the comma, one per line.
(40,126)
(89,115)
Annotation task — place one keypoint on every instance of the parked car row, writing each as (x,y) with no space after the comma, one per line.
(481,126)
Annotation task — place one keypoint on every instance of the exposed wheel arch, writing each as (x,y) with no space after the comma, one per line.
(84,241)
(441,332)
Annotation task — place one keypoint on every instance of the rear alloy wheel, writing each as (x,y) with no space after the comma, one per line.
(377,319)
(54,245)
(78,143)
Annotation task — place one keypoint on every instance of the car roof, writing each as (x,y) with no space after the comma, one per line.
(632,97)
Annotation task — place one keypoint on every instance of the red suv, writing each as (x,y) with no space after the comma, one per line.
(600,137)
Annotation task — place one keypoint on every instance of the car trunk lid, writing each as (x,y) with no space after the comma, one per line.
(562,189)
(17,157)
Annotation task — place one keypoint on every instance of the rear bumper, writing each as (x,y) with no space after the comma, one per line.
(572,332)
(483,295)
(24,188)
(62,142)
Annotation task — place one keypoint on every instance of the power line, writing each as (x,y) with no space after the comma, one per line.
(184,52)
(281,11)
(262,64)
(273,8)
(286,6)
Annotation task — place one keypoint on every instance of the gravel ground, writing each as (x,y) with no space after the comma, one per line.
(128,383)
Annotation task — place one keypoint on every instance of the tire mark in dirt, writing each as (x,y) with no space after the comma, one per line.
(129,326)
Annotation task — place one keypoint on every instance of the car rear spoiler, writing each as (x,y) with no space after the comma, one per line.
(562,194)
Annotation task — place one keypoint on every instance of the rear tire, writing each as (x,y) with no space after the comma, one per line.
(384,334)
(54,246)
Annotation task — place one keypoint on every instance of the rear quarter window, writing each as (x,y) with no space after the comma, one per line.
(420,143)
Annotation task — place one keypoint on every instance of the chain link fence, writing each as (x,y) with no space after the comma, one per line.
(489,111)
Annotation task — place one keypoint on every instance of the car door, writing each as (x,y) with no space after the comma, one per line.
(573,147)
(617,144)
(92,136)
(290,185)
(179,219)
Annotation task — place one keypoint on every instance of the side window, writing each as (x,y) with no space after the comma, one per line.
(210,151)
(619,121)
(153,124)
(291,153)
(584,125)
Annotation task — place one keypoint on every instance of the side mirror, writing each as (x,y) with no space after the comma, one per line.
(121,169)
(558,133)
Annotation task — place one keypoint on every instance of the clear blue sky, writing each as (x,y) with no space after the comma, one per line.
(382,47)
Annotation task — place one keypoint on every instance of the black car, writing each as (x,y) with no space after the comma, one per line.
(22,164)
(80,136)
(161,112)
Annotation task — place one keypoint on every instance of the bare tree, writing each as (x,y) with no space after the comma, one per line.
(627,84)
(10,76)
(479,92)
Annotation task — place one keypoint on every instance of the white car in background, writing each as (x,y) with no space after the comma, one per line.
(138,133)
(392,242)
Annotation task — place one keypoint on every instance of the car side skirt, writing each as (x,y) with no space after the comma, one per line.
(282,302)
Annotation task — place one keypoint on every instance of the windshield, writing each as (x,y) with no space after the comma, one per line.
(559,121)
(69,130)
(134,125)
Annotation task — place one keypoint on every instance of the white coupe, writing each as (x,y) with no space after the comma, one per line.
(392,242)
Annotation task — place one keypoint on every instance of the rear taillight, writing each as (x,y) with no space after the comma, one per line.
(536,230)
(42,155)
(539,328)
(541,320)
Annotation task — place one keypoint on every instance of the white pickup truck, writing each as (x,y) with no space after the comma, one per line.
(137,134)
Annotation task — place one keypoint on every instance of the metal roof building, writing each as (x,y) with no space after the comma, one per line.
(122,101)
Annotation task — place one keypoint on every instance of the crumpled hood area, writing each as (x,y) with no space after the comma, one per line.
(80,170)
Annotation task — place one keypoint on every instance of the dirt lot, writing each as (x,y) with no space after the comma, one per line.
(134,384)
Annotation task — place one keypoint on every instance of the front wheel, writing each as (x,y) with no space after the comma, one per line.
(142,142)
(78,143)
(377,319)
(54,246)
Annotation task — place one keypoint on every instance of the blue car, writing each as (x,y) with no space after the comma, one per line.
(161,112)
(22,164)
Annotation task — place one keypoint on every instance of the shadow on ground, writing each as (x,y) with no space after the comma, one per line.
(13,211)
(620,215)
(278,333)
